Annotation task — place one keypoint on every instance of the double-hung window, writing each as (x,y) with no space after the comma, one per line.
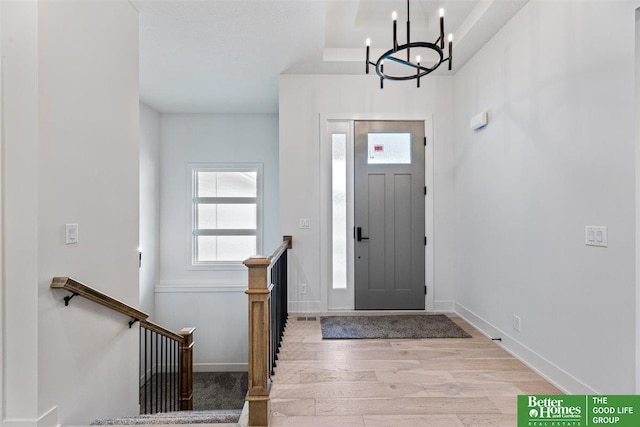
(226,213)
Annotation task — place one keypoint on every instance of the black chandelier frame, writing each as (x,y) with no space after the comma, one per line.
(420,70)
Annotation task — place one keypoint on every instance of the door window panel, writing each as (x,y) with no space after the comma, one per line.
(388,148)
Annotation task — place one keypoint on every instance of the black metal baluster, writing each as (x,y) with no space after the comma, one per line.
(154,367)
(175,375)
(180,379)
(162,369)
(274,300)
(286,288)
(176,372)
(146,354)
(139,366)
(171,376)
(166,375)
(274,314)
(279,306)
(155,344)
(162,364)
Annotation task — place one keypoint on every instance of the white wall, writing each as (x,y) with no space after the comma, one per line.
(149,206)
(20,193)
(637,113)
(303,98)
(558,154)
(88,174)
(71,156)
(1,221)
(213,301)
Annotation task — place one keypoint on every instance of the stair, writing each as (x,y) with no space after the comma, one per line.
(230,416)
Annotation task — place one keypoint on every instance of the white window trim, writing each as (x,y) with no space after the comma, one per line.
(192,168)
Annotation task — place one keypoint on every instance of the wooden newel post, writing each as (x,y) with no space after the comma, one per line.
(186,385)
(258,292)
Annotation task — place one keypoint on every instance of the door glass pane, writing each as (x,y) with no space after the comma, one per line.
(227,216)
(226,184)
(225,248)
(389,148)
(339,209)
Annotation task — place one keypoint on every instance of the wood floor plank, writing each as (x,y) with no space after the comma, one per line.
(471,389)
(414,376)
(506,404)
(376,365)
(412,421)
(343,390)
(484,420)
(474,364)
(293,407)
(313,376)
(315,421)
(374,383)
(406,406)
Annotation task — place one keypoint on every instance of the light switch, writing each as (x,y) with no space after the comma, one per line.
(596,235)
(71,234)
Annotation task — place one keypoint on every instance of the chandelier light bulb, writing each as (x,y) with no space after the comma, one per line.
(441,12)
(450,37)
(368,42)
(394,15)
(418,59)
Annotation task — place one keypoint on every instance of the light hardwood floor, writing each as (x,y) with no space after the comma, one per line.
(396,383)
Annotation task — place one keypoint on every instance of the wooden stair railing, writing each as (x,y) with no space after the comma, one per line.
(171,354)
(267,295)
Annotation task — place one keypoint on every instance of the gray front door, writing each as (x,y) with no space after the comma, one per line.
(389,215)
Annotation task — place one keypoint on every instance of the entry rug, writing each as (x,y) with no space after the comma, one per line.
(397,326)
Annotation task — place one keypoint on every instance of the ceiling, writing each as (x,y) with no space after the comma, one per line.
(221,56)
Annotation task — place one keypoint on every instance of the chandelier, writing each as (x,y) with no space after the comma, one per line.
(415,70)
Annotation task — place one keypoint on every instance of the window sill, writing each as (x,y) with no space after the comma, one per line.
(218,266)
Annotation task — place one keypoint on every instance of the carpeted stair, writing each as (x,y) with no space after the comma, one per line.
(179,417)
(213,393)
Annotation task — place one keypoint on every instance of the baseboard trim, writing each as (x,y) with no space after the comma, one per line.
(48,419)
(305,306)
(557,376)
(220,367)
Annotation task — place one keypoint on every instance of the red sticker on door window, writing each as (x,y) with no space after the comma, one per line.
(378,148)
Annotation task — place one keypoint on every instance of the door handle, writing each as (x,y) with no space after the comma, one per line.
(359,237)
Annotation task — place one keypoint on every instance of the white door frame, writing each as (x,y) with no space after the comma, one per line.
(325,201)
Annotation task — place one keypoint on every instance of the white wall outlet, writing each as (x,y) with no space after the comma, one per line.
(71,234)
(516,323)
(596,235)
(305,223)
(303,288)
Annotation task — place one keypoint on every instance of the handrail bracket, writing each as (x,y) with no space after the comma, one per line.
(68,298)
(132,321)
